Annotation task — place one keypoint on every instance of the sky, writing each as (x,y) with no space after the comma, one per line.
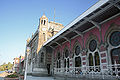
(20,18)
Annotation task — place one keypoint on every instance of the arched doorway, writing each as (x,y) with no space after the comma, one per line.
(114,41)
(114,51)
(77,58)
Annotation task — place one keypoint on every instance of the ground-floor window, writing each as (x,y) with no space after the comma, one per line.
(115,56)
(97,59)
(68,63)
(90,60)
(64,63)
(78,61)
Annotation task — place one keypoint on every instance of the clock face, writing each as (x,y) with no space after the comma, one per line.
(43,29)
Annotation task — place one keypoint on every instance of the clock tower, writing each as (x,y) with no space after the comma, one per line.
(43,28)
(46,30)
(43,23)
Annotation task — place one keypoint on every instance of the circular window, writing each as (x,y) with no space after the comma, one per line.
(92,45)
(77,50)
(66,53)
(115,38)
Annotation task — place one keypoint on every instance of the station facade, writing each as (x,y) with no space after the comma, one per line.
(90,45)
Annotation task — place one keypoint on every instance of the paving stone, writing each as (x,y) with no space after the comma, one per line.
(39,78)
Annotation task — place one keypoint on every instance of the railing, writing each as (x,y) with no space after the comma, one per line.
(112,71)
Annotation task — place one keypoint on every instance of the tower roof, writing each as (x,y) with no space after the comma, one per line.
(43,16)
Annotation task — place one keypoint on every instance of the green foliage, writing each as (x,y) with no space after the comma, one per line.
(12,76)
(5,66)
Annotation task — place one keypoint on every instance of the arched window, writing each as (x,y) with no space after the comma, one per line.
(44,22)
(77,50)
(115,55)
(57,64)
(41,21)
(92,45)
(58,60)
(78,61)
(77,56)
(42,57)
(97,59)
(58,56)
(66,53)
(68,63)
(94,60)
(90,60)
(66,60)
(64,63)
(114,40)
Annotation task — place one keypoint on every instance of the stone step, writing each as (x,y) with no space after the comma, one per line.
(40,74)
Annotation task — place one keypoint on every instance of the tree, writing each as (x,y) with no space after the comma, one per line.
(5,66)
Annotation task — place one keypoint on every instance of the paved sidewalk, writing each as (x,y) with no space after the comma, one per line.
(39,78)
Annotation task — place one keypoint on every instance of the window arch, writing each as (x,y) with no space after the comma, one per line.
(93,55)
(77,50)
(76,55)
(92,45)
